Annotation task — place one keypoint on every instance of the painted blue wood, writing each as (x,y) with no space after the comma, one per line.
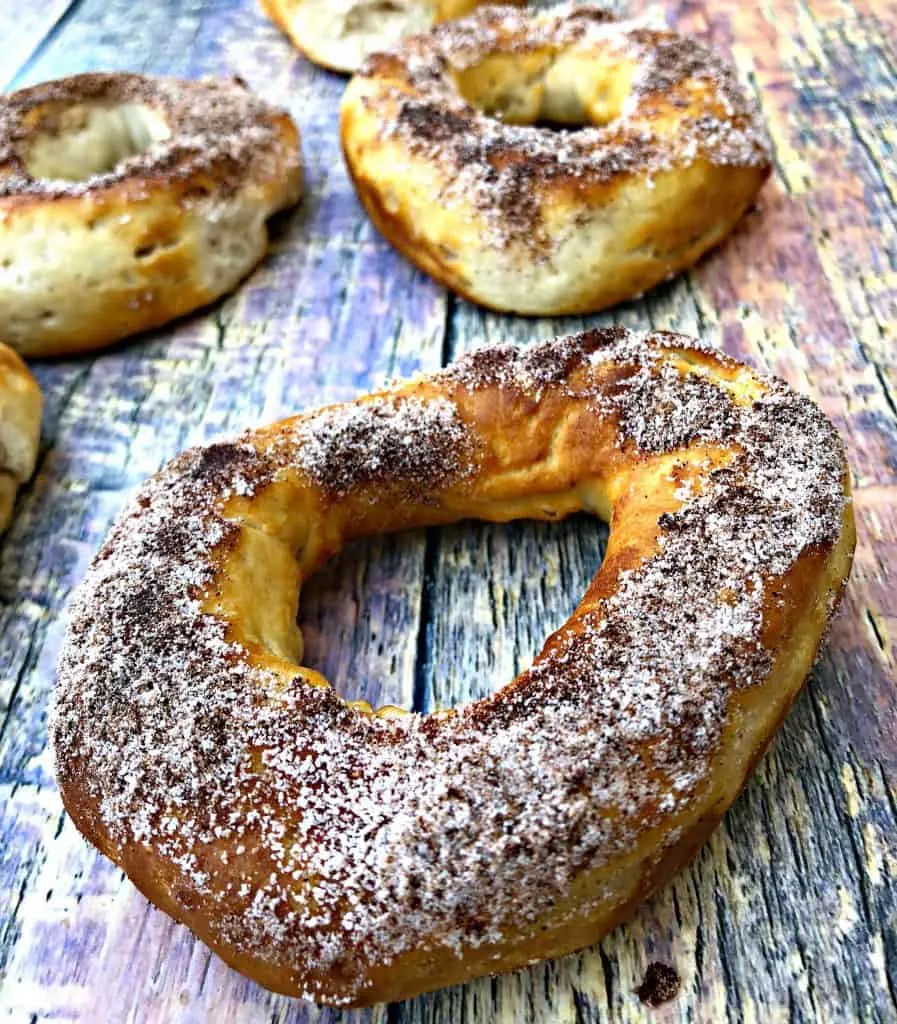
(24,28)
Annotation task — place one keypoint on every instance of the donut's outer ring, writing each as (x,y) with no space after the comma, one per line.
(320,43)
(20,416)
(351,858)
(489,211)
(84,264)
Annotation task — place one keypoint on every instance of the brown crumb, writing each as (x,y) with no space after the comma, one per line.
(660,984)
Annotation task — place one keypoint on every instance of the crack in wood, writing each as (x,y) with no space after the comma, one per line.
(876,632)
(423,663)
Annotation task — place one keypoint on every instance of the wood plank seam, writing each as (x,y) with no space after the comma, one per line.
(53,29)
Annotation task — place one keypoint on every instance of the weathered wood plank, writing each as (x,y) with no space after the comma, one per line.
(790,912)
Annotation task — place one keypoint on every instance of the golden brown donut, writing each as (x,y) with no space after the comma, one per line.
(20,412)
(444,139)
(127,201)
(339,34)
(349,857)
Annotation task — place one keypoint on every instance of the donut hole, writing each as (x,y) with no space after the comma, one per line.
(560,93)
(397,619)
(341,35)
(80,142)
(387,19)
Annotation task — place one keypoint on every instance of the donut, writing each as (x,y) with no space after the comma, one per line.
(351,855)
(552,163)
(339,34)
(127,201)
(20,413)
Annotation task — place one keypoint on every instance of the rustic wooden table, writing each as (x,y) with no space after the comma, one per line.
(790,911)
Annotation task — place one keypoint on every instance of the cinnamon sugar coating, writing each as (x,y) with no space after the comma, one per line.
(503,166)
(216,127)
(127,201)
(552,162)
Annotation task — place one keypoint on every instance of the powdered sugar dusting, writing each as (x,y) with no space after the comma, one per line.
(328,840)
(217,126)
(500,168)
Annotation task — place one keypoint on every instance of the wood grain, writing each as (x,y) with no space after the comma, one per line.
(790,912)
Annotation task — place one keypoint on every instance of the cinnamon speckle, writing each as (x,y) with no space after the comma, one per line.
(416,444)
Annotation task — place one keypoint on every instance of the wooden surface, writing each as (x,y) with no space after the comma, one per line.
(789,914)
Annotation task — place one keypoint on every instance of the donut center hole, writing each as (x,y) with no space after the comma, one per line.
(80,142)
(347,31)
(563,93)
(431,620)
(384,19)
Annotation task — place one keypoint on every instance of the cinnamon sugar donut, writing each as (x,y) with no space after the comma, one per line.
(20,412)
(127,201)
(444,139)
(339,34)
(349,856)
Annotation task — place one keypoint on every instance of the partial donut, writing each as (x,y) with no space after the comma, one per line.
(20,412)
(127,201)
(339,34)
(349,856)
(446,141)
